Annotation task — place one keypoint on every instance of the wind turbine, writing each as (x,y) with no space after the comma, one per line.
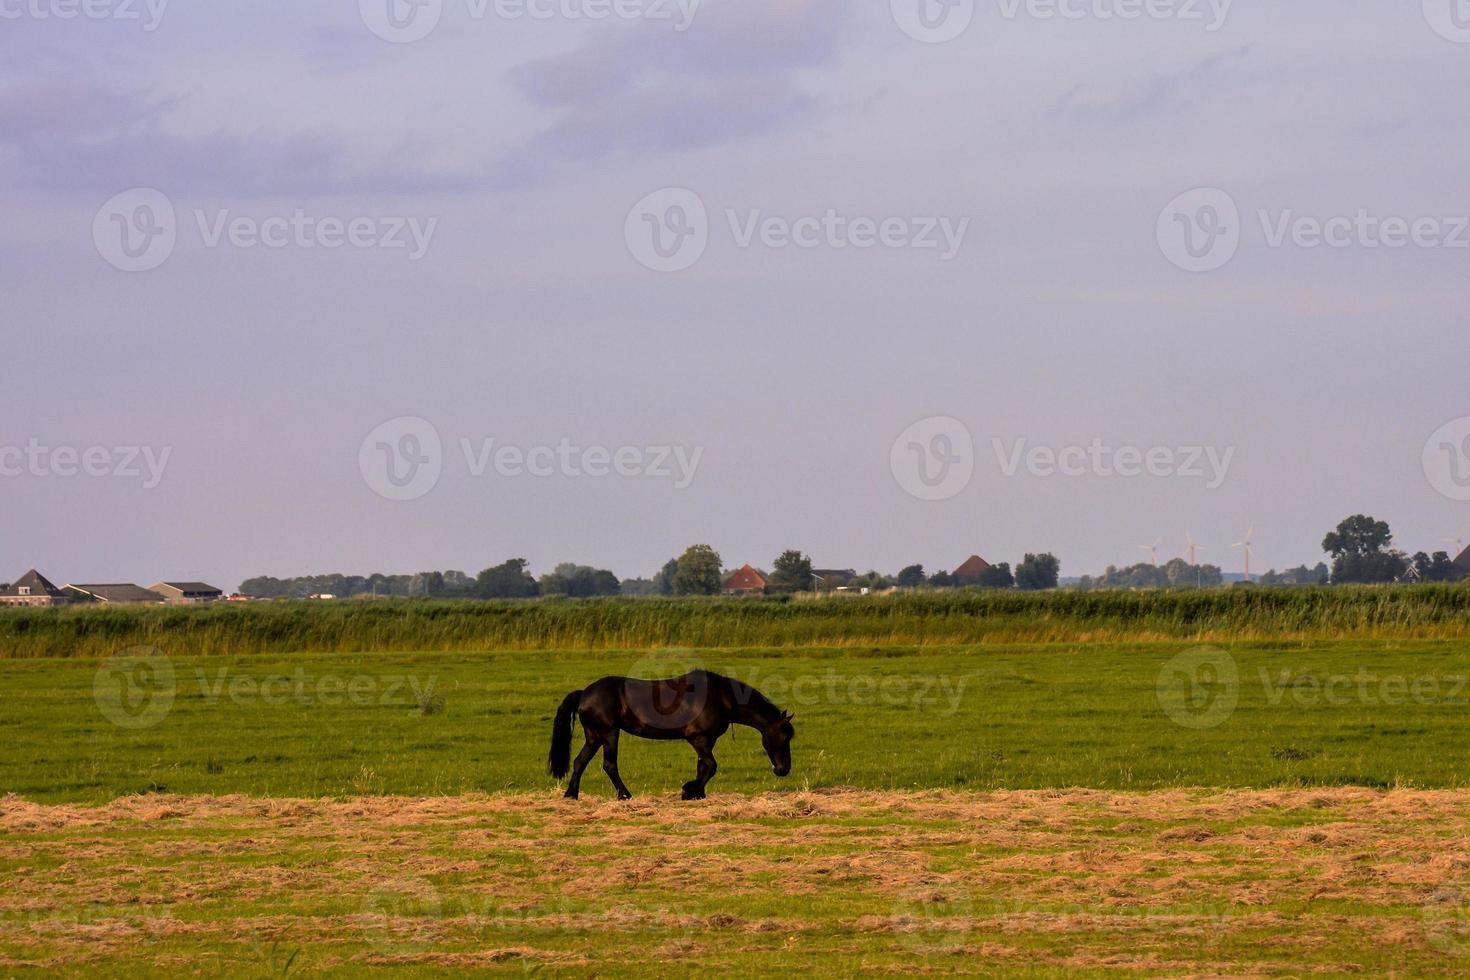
(1199,573)
(1153,550)
(1245,547)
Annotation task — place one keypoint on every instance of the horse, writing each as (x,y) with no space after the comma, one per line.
(698,707)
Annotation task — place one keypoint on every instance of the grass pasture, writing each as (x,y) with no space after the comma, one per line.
(1019,717)
(1172,807)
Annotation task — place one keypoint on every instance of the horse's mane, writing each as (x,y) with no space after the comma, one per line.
(745,694)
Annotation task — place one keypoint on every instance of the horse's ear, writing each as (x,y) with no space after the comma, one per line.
(787,716)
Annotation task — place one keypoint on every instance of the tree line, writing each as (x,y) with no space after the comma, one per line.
(1362,552)
(698,571)
(1361,549)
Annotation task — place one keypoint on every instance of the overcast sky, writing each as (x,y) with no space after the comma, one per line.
(783,387)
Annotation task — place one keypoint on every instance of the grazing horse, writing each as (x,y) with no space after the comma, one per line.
(698,708)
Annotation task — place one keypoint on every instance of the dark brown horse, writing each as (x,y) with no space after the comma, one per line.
(698,708)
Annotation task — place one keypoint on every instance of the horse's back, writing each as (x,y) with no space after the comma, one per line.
(672,707)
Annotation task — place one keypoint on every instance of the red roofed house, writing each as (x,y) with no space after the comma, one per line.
(747,581)
(971,570)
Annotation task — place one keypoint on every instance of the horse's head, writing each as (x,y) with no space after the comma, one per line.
(776,739)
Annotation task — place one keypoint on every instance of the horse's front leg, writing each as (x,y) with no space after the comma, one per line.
(610,765)
(704,749)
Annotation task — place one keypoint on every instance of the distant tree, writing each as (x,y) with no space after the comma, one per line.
(1360,552)
(1180,574)
(579,582)
(664,580)
(638,587)
(997,577)
(698,572)
(562,580)
(264,587)
(1301,575)
(942,580)
(1038,572)
(424,584)
(871,579)
(1358,535)
(911,577)
(458,584)
(377,584)
(507,581)
(791,573)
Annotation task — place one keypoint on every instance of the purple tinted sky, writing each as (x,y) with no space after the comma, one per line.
(529,321)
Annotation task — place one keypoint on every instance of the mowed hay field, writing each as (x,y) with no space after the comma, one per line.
(832,883)
(1181,807)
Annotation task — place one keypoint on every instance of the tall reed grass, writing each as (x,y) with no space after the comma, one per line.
(1404,612)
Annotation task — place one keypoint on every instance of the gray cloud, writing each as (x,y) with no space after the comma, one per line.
(731,76)
(62,129)
(629,91)
(1142,97)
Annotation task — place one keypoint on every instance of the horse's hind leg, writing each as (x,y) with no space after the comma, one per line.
(574,785)
(610,765)
(704,748)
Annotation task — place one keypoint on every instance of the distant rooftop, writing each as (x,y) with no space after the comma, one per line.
(34,584)
(123,592)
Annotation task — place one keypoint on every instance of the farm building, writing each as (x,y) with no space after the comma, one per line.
(183,592)
(972,570)
(747,581)
(1463,561)
(33,589)
(115,595)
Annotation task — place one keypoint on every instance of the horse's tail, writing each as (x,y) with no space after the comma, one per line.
(560,760)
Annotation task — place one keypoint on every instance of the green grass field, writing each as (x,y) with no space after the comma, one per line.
(1172,808)
(1352,713)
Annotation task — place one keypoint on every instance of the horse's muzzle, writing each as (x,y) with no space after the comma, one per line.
(778,770)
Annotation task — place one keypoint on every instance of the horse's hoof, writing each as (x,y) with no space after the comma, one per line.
(625,796)
(569,796)
(693,792)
